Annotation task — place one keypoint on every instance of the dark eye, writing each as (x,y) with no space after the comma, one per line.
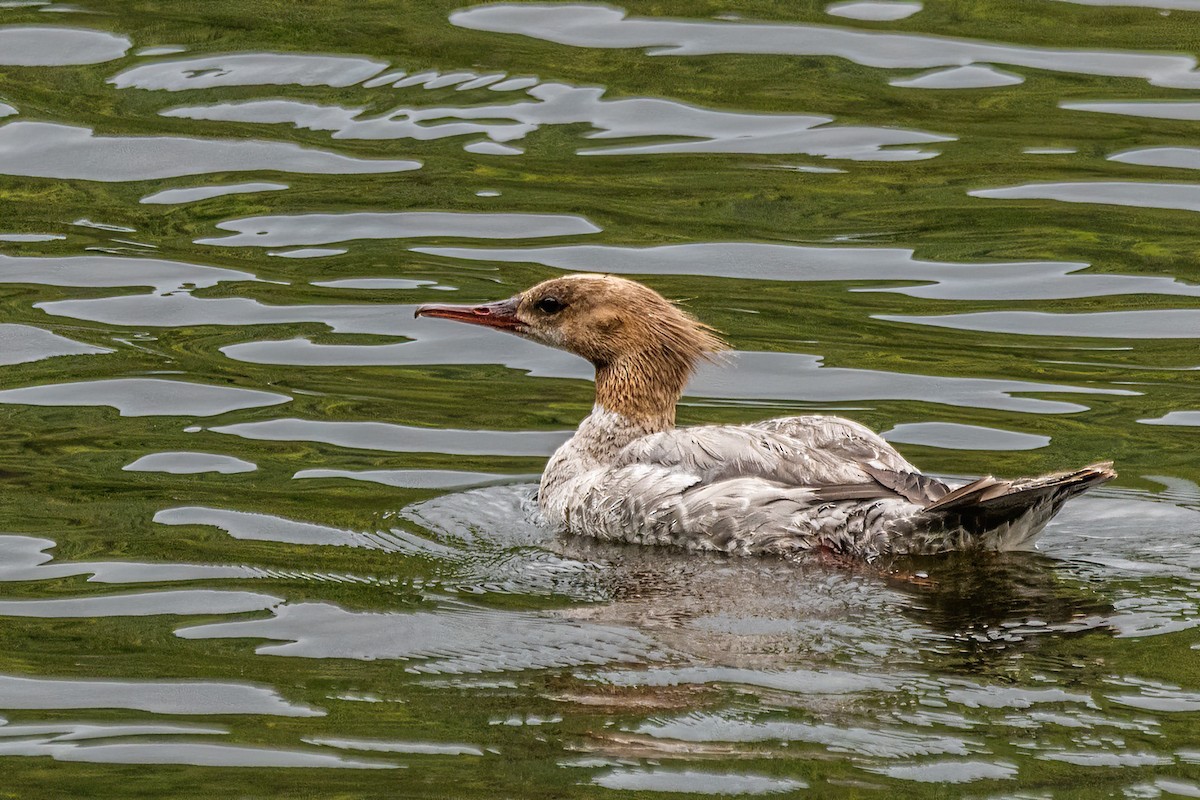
(550,305)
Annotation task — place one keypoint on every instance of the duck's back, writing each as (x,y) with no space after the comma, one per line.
(776,487)
(790,485)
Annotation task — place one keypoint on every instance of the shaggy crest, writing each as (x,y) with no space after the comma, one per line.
(644,347)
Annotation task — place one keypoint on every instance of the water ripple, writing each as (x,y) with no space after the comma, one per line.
(709,130)
(52,150)
(455,639)
(1178,196)
(972,77)
(400,438)
(249,69)
(66,742)
(44,46)
(104,271)
(185,463)
(873,10)
(1174,323)
(266,528)
(1171,109)
(184,602)
(23,558)
(197,193)
(21,344)
(1012,280)
(691,781)
(284,231)
(586,25)
(140,397)
(159,697)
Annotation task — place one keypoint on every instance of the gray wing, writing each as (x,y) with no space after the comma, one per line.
(842,458)
(661,505)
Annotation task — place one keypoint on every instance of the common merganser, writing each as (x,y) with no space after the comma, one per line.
(781,486)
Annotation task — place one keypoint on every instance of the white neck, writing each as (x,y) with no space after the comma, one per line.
(596,443)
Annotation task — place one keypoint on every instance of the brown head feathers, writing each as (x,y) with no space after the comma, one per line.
(604,318)
(644,347)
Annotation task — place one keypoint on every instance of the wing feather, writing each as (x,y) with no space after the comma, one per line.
(803,452)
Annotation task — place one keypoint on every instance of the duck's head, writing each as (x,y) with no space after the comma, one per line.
(602,318)
(640,342)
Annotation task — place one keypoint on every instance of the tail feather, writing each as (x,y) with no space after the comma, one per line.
(1014,511)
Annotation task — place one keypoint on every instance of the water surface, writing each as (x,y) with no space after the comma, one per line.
(266,534)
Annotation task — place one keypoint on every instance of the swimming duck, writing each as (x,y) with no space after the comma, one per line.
(781,486)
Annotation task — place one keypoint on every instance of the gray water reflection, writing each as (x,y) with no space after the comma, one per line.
(1157,697)
(51,150)
(752,376)
(23,558)
(75,731)
(139,397)
(710,130)
(1189,418)
(1108,758)
(185,602)
(20,344)
(392,284)
(249,69)
(1175,323)
(971,77)
(309,252)
(454,639)
(1172,109)
(1181,196)
(379,746)
(957,436)
(68,742)
(873,10)
(45,46)
(185,463)
(1014,280)
(875,742)
(748,376)
(266,528)
(413,478)
(400,438)
(587,25)
(104,271)
(1167,5)
(197,193)
(950,771)
(158,697)
(691,781)
(798,681)
(493,149)
(1174,157)
(1000,280)
(1108,532)
(798,376)
(284,231)
(797,613)
(163,50)
(681,600)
